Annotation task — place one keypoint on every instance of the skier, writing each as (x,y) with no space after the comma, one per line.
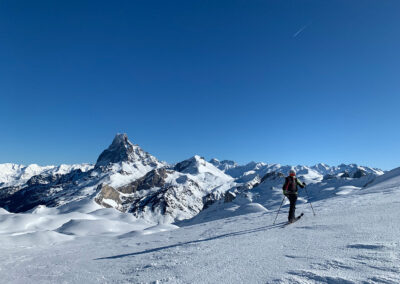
(290,191)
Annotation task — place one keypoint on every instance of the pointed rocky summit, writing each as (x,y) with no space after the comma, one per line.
(122,150)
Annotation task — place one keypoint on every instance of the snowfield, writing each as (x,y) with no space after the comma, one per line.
(354,238)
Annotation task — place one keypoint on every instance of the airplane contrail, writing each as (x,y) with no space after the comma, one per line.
(300,30)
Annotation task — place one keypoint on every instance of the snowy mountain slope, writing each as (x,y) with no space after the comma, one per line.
(14,175)
(131,180)
(224,165)
(352,239)
(165,195)
(388,180)
(121,163)
(125,162)
(245,173)
(268,194)
(261,183)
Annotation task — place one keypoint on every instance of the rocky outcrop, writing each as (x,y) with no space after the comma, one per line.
(345,175)
(223,165)
(155,178)
(107,193)
(328,177)
(359,173)
(229,196)
(131,197)
(42,190)
(272,176)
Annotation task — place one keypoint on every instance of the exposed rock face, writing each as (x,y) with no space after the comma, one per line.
(41,190)
(13,175)
(359,173)
(122,150)
(42,179)
(170,194)
(229,196)
(223,165)
(272,175)
(328,177)
(170,202)
(161,192)
(129,179)
(345,175)
(120,163)
(191,165)
(155,178)
(106,194)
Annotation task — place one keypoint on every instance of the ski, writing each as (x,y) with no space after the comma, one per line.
(295,220)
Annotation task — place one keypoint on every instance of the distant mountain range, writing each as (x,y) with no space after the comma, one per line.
(129,179)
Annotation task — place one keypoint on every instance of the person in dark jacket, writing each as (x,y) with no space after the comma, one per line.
(290,191)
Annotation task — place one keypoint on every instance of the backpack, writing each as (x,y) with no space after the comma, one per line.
(290,186)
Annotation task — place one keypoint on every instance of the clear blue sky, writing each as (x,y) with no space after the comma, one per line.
(291,82)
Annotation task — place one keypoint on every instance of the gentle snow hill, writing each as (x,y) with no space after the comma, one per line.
(352,239)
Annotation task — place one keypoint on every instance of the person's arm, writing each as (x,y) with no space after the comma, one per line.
(301,184)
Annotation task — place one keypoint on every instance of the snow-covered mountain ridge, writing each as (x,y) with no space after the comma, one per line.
(352,239)
(15,174)
(131,180)
(317,172)
(133,219)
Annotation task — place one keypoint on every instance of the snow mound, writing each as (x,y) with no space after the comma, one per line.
(343,190)
(148,231)
(85,205)
(3,211)
(159,228)
(41,238)
(82,227)
(252,208)
(43,209)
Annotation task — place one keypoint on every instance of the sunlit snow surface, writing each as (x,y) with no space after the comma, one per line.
(354,238)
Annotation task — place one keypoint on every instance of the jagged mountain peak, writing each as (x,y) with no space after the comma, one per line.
(121,139)
(191,165)
(217,162)
(214,161)
(123,150)
(223,165)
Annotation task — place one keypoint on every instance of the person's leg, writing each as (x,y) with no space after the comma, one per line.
(292,210)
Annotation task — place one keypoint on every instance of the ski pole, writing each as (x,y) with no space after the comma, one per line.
(279,210)
(309,201)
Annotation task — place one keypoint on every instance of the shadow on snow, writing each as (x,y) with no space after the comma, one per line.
(244,232)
